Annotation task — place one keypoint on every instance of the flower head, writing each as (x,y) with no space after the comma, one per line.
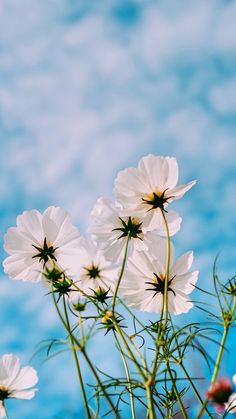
(15,382)
(110,230)
(146,192)
(220,391)
(89,270)
(144,279)
(38,240)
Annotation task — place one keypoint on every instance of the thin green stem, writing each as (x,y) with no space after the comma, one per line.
(216,369)
(121,274)
(164,301)
(83,351)
(167,268)
(194,387)
(131,355)
(128,377)
(67,321)
(182,408)
(99,382)
(4,407)
(219,356)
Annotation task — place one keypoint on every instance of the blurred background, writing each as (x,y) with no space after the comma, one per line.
(87,88)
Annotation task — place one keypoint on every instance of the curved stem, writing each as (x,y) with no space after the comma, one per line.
(67,321)
(121,274)
(128,377)
(182,408)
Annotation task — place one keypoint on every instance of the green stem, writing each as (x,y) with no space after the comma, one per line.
(99,382)
(67,321)
(182,408)
(216,369)
(219,356)
(119,331)
(164,301)
(121,274)
(82,349)
(194,388)
(128,377)
(151,410)
(4,407)
(167,268)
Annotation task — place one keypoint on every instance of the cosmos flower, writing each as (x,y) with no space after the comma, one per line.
(36,241)
(143,283)
(88,268)
(146,191)
(110,230)
(220,392)
(15,382)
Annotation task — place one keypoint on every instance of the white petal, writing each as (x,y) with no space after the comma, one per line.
(50,229)
(154,169)
(26,269)
(185,282)
(129,182)
(179,304)
(153,220)
(11,364)
(30,222)
(158,249)
(234,379)
(183,264)
(26,378)
(173,173)
(24,394)
(15,241)
(179,191)
(57,214)
(174,221)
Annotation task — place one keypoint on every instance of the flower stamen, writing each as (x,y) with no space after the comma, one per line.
(158,285)
(93,271)
(131,227)
(45,253)
(156,200)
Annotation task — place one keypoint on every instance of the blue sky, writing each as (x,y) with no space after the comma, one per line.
(86,89)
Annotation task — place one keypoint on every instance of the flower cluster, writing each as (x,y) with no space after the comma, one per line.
(47,243)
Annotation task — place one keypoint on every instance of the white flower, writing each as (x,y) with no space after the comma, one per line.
(37,240)
(15,381)
(146,191)
(230,406)
(110,230)
(143,282)
(88,268)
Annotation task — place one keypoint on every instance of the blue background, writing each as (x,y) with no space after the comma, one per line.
(86,89)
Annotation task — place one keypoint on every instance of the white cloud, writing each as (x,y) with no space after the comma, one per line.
(223,97)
